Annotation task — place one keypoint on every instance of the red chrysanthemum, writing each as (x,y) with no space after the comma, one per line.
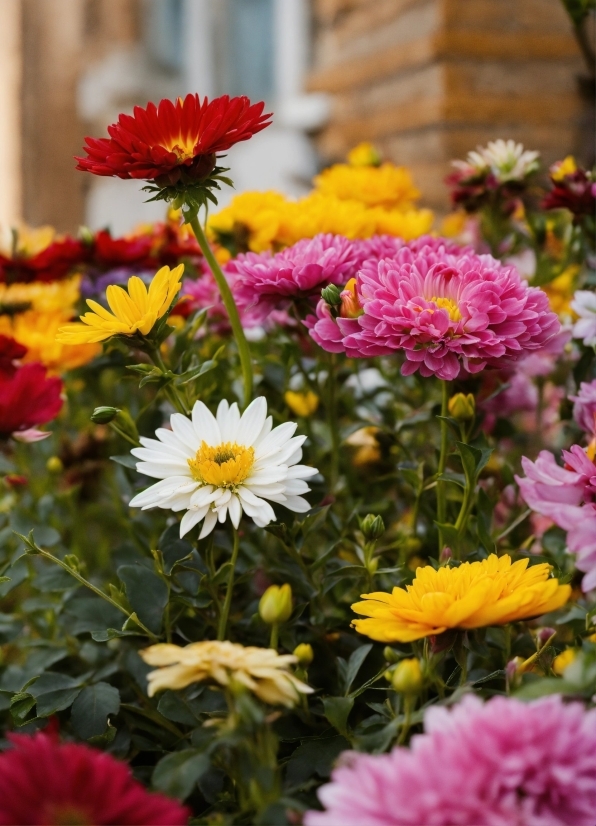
(51,264)
(28,397)
(158,142)
(45,782)
(10,351)
(111,252)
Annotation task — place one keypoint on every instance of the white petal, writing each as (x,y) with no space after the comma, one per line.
(228,422)
(167,456)
(301,472)
(235,509)
(296,486)
(203,496)
(169,440)
(266,491)
(273,442)
(182,427)
(252,422)
(162,490)
(265,431)
(205,424)
(297,504)
(161,470)
(190,519)
(268,475)
(222,513)
(208,524)
(222,498)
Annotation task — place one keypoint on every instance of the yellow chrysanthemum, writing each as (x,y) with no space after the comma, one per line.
(563,661)
(261,670)
(473,595)
(561,289)
(29,241)
(364,154)
(407,225)
(135,311)
(48,298)
(387,186)
(254,216)
(37,332)
(302,404)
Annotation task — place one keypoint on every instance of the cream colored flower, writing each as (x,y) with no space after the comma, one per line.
(261,670)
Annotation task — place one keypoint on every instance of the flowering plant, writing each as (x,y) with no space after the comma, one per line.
(308,534)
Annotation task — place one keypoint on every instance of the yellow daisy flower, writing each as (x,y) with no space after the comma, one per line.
(262,670)
(474,595)
(58,295)
(37,332)
(135,311)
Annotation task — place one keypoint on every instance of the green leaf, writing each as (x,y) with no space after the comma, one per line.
(126,461)
(337,711)
(174,706)
(20,706)
(354,664)
(484,509)
(450,534)
(91,708)
(54,692)
(314,756)
(222,574)
(177,773)
(147,594)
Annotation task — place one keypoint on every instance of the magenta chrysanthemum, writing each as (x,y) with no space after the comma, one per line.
(268,282)
(584,409)
(448,312)
(500,763)
(44,781)
(567,495)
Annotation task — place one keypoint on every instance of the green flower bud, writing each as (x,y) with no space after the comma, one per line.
(462,408)
(104,415)
(407,677)
(304,653)
(275,605)
(390,655)
(331,295)
(54,465)
(372,526)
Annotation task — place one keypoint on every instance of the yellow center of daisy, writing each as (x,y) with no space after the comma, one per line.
(225,465)
(449,305)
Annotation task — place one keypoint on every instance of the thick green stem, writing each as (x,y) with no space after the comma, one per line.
(230,305)
(333,422)
(274,639)
(225,611)
(441,492)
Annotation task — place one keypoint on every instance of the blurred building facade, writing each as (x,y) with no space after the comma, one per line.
(426,80)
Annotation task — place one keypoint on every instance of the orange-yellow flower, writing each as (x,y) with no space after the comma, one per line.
(37,331)
(135,311)
(474,595)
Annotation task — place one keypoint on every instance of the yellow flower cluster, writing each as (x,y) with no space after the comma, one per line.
(474,595)
(261,670)
(356,200)
(33,313)
(27,241)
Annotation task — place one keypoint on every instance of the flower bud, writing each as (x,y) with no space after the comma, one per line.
(513,668)
(104,415)
(544,635)
(446,554)
(275,605)
(365,154)
(462,408)
(331,295)
(372,526)
(563,660)
(350,303)
(304,653)
(302,404)
(407,677)
(54,465)
(390,655)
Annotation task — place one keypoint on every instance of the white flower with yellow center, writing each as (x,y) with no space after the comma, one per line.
(210,466)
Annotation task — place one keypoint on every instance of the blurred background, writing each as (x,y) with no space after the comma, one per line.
(425,80)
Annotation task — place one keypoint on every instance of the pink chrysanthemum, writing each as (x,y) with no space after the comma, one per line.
(448,312)
(43,781)
(500,763)
(268,282)
(567,495)
(584,409)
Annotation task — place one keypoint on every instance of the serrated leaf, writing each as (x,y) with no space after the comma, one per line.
(54,692)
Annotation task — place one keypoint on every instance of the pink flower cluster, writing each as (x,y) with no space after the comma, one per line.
(446,311)
(584,409)
(500,763)
(567,495)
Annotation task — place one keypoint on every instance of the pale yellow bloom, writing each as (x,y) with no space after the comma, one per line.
(365,440)
(365,154)
(563,168)
(261,670)
(56,296)
(387,186)
(302,404)
(135,311)
(474,595)
(37,331)
(563,660)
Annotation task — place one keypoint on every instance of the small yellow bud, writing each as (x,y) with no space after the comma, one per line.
(563,660)
(275,605)
(304,653)
(390,655)
(462,408)
(54,465)
(302,404)
(407,677)
(365,154)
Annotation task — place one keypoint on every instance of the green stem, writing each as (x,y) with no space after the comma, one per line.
(408,703)
(170,391)
(441,491)
(230,305)
(274,640)
(223,619)
(333,422)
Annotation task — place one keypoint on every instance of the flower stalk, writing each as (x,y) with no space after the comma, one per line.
(225,611)
(441,490)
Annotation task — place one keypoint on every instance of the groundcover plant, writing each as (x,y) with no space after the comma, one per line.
(298,504)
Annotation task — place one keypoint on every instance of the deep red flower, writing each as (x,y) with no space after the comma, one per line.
(160,141)
(10,351)
(108,252)
(51,264)
(47,783)
(28,397)
(575,192)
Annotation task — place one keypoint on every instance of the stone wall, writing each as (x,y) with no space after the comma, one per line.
(428,80)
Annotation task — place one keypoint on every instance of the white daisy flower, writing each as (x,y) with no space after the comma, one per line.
(210,466)
(584,305)
(507,160)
